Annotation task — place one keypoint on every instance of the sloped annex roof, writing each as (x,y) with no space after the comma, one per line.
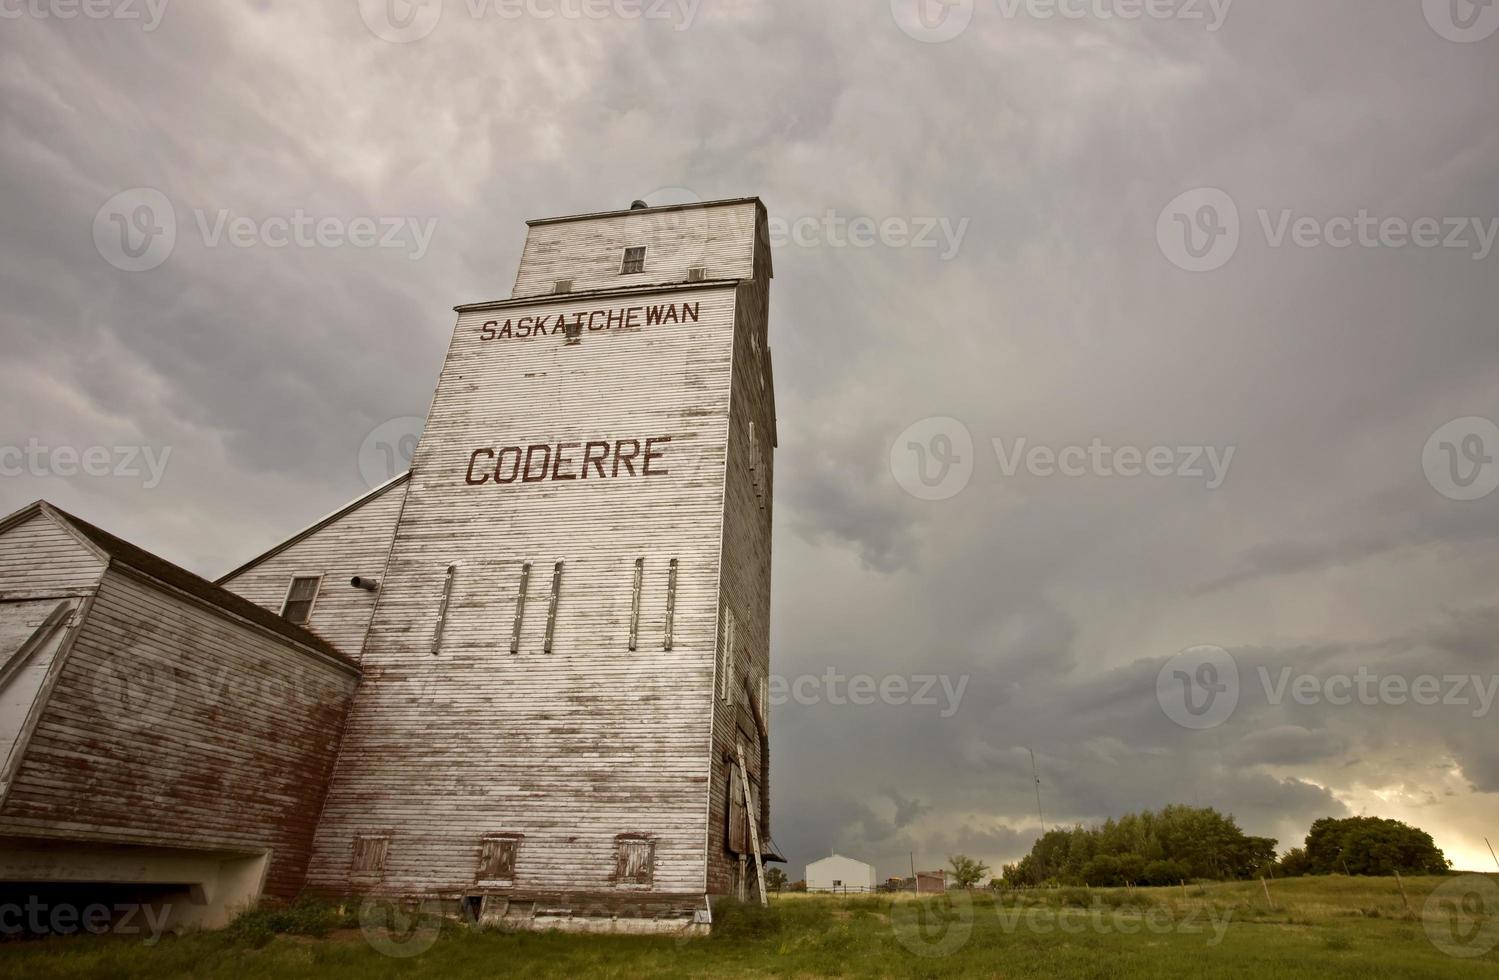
(118,550)
(314,527)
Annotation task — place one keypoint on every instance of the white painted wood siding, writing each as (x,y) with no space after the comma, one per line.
(26,659)
(355,543)
(231,750)
(40,558)
(719,238)
(573,747)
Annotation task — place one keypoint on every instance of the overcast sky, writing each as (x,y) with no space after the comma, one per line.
(1067,292)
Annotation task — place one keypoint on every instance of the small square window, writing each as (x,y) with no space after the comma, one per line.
(563,286)
(369,854)
(635,860)
(297,608)
(497,854)
(697,274)
(634,260)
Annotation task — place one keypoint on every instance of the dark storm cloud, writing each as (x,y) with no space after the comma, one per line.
(1057,320)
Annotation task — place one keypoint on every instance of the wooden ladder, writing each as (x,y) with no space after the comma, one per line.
(754,823)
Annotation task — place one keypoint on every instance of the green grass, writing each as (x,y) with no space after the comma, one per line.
(1317,927)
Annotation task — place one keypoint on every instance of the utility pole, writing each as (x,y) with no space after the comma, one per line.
(915,890)
(1491,852)
(1037,780)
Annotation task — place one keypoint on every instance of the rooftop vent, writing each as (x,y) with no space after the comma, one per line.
(637,204)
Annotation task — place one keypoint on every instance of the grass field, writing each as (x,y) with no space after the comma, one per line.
(1317,927)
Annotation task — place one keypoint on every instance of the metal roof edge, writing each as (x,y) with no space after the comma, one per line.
(721,202)
(314,527)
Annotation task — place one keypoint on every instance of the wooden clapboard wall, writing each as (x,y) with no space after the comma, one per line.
(353,541)
(574,749)
(227,746)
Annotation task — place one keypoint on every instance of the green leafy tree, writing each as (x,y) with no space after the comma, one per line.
(967,871)
(1172,844)
(1294,863)
(1371,846)
(775,879)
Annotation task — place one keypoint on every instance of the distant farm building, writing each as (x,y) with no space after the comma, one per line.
(837,873)
(527,679)
(931,882)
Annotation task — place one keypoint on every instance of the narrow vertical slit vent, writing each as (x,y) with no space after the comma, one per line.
(442,611)
(552,607)
(520,607)
(671,601)
(635,603)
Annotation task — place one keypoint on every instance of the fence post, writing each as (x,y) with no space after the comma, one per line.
(1410,912)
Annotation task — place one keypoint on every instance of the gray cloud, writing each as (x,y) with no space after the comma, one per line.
(1059,320)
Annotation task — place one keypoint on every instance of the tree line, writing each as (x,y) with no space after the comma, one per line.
(1184,843)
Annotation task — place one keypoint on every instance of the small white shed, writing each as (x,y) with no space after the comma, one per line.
(837,873)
